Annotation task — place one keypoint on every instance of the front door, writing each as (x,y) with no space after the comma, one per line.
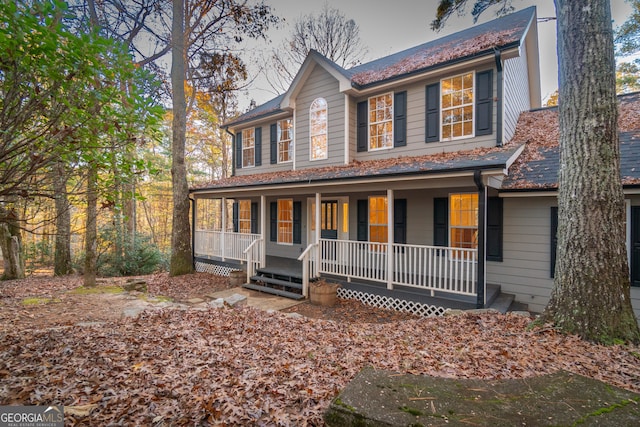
(329,219)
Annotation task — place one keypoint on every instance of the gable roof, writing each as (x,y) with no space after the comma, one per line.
(479,40)
(538,166)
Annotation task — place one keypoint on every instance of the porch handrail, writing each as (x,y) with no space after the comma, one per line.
(433,268)
(307,258)
(249,252)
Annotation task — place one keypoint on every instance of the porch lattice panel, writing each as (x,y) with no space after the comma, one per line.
(220,270)
(390,303)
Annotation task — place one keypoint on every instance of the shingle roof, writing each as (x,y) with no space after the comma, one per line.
(538,166)
(485,158)
(477,40)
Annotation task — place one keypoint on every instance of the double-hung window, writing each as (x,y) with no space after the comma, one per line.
(244,216)
(457,96)
(381,121)
(463,220)
(285,221)
(285,137)
(318,124)
(248,147)
(378,219)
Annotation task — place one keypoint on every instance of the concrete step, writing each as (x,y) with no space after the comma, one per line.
(502,302)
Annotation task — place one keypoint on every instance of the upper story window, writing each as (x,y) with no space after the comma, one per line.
(248,147)
(457,96)
(318,126)
(381,121)
(285,138)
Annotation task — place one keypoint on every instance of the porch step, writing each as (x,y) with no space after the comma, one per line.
(503,302)
(273,281)
(273,291)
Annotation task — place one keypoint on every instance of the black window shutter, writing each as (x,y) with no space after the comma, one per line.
(297,222)
(273,146)
(441,221)
(554,239)
(400,119)
(363,223)
(258,146)
(635,245)
(236,217)
(494,229)
(273,218)
(254,218)
(363,124)
(484,102)
(432,120)
(400,221)
(239,150)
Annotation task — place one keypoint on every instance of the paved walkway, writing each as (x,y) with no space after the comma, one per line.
(257,299)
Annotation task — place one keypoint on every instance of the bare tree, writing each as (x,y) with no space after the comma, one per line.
(330,33)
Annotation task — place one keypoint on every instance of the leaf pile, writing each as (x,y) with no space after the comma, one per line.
(248,367)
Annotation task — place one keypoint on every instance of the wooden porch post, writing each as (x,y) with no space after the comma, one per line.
(390,239)
(318,230)
(223,207)
(263,228)
(482,259)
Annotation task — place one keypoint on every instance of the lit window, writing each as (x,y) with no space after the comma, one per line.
(463,220)
(244,216)
(318,123)
(248,148)
(378,219)
(285,221)
(457,106)
(285,136)
(381,121)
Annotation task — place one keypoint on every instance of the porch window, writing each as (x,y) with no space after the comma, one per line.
(318,125)
(381,121)
(457,106)
(248,148)
(244,217)
(378,219)
(285,221)
(463,220)
(285,134)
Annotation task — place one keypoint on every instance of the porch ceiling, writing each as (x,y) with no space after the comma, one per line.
(492,161)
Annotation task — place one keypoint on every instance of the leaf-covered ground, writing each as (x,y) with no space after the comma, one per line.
(248,367)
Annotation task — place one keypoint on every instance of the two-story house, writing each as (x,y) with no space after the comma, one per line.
(394,177)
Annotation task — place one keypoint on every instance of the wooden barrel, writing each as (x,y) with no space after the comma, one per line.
(323,293)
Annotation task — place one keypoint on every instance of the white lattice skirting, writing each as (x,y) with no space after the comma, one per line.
(220,270)
(381,301)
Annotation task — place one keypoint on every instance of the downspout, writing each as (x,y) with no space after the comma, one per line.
(233,152)
(500,106)
(482,208)
(193,233)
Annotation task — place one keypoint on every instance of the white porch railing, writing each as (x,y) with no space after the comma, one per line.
(433,268)
(309,267)
(255,257)
(225,245)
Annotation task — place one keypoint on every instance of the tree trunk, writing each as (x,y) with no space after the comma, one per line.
(62,256)
(181,258)
(91,230)
(11,245)
(591,296)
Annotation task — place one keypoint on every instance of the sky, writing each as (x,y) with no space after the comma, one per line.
(389,26)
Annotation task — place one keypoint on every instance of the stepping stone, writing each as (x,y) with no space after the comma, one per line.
(195,300)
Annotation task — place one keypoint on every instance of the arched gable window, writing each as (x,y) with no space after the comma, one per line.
(318,131)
